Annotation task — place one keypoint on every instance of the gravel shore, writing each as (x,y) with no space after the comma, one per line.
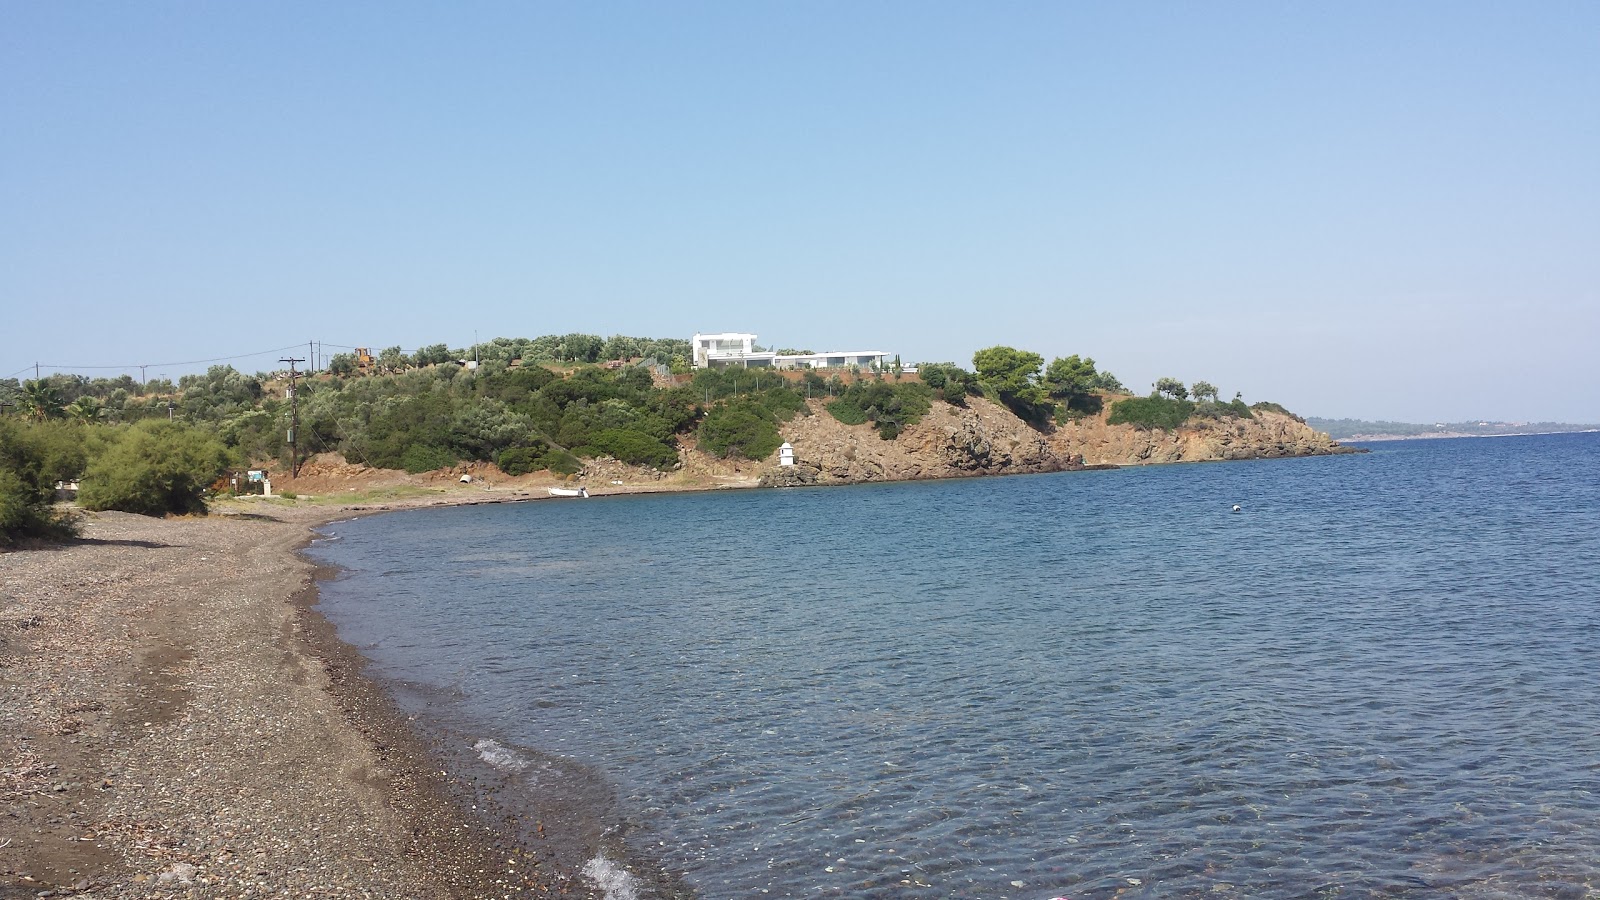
(175,720)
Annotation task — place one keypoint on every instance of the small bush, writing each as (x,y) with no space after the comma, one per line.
(1079,406)
(562,463)
(847,412)
(1269,406)
(1151,412)
(1211,409)
(420,458)
(520,460)
(25,511)
(740,429)
(951,381)
(891,407)
(632,447)
(783,402)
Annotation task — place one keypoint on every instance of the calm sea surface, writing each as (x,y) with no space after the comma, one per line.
(1381,677)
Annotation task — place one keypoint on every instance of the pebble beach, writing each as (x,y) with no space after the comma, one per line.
(176,720)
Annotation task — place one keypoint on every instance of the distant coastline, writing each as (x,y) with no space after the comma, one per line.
(1378,438)
(1368,430)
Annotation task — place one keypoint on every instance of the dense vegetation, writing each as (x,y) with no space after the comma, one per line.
(1169,406)
(417,412)
(31,460)
(153,467)
(1151,412)
(890,407)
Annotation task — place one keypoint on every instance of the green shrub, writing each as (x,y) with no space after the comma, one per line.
(520,460)
(743,428)
(632,447)
(890,407)
(539,455)
(769,390)
(62,449)
(847,412)
(1151,412)
(154,468)
(562,463)
(402,424)
(1269,406)
(420,458)
(1211,409)
(26,491)
(782,401)
(951,381)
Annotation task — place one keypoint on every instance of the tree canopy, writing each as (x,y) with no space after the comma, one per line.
(1013,376)
(1171,387)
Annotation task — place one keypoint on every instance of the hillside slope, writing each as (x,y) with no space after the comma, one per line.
(980,438)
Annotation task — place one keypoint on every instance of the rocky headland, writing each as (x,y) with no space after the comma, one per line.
(984,438)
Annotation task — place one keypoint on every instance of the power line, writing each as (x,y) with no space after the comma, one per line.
(191,362)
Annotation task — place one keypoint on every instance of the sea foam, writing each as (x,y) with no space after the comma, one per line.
(500,756)
(617,882)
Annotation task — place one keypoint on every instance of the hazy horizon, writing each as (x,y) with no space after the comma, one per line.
(1365,211)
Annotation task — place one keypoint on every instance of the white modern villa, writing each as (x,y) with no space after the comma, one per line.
(732,348)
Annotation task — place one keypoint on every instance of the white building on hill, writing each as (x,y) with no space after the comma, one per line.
(734,348)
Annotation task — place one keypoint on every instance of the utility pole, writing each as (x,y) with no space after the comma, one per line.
(294,419)
(311,354)
(142,380)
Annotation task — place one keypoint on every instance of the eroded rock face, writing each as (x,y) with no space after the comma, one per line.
(983,438)
(974,446)
(1268,435)
(949,442)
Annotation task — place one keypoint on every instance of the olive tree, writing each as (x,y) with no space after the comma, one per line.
(1172,387)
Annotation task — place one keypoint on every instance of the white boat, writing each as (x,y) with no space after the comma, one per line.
(570,492)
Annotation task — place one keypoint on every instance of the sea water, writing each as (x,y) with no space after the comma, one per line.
(1377,677)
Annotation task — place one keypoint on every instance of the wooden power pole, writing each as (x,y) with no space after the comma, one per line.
(294,419)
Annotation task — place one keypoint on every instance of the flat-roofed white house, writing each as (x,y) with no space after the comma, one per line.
(733,348)
(729,348)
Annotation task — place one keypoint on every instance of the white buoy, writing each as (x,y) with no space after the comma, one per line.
(1236,507)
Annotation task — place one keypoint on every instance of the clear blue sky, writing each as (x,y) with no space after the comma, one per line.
(1377,210)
